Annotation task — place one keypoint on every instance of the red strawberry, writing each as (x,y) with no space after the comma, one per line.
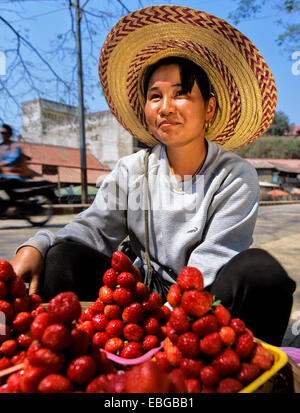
(120,262)
(174,295)
(238,325)
(98,384)
(222,314)
(5,363)
(110,278)
(149,342)
(247,373)
(208,390)
(133,313)
(131,350)
(147,377)
(227,335)
(114,328)
(126,280)
(188,344)
(3,289)
(106,295)
(82,369)
(191,367)
(56,337)
(100,322)
(24,339)
(261,357)
(137,273)
(100,338)
(44,357)
(55,383)
(34,302)
(113,311)
(6,270)
(151,325)
(162,360)
(87,314)
(21,304)
(64,308)
(173,353)
(190,278)
(39,324)
(179,320)
(140,291)
(22,321)
(79,342)
(31,378)
(208,296)
(193,385)
(152,302)
(244,345)
(8,347)
(87,327)
(211,344)
(7,309)
(229,385)
(97,307)
(16,287)
(38,310)
(114,345)
(161,313)
(13,383)
(117,383)
(171,332)
(194,303)
(177,379)
(227,362)
(133,332)
(209,376)
(19,357)
(122,296)
(205,325)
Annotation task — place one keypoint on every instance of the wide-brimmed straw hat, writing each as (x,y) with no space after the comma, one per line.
(243,83)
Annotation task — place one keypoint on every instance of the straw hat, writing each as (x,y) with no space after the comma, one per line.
(244,85)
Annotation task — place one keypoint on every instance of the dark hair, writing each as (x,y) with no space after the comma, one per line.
(8,128)
(190,73)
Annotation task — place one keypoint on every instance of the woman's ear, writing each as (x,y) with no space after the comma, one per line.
(211,108)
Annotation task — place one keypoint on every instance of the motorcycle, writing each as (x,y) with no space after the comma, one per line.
(29,200)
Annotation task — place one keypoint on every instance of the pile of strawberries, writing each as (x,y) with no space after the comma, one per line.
(126,319)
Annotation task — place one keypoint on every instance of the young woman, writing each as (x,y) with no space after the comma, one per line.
(201,198)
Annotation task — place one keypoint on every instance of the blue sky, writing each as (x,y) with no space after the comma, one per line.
(50,17)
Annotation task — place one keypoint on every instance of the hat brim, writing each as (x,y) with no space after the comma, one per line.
(244,85)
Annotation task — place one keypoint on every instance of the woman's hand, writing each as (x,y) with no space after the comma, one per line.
(28,264)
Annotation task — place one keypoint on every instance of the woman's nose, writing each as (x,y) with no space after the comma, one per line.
(166,106)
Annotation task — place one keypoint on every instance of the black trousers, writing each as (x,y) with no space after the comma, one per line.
(252,285)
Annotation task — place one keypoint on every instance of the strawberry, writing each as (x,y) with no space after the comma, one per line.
(208,296)
(137,273)
(177,379)
(150,325)
(13,383)
(191,367)
(122,296)
(114,328)
(56,337)
(229,385)
(44,357)
(5,363)
(133,332)
(81,369)
(22,321)
(113,311)
(149,342)
(120,262)
(179,320)
(16,287)
(188,344)
(55,383)
(31,378)
(190,278)
(100,338)
(87,314)
(6,270)
(98,384)
(227,362)
(34,302)
(238,325)
(87,327)
(171,332)
(39,324)
(152,302)
(162,361)
(247,373)
(211,344)
(161,313)
(64,308)
(19,357)
(222,314)
(131,350)
(209,376)
(3,289)
(193,385)
(97,307)
(173,353)
(7,309)
(126,280)
(261,357)
(147,377)
(194,303)
(79,342)
(8,347)
(110,278)
(100,322)
(133,313)
(116,384)
(208,390)
(21,304)
(244,345)
(227,335)
(38,310)
(114,345)
(140,291)
(174,295)
(106,295)
(24,339)
(205,325)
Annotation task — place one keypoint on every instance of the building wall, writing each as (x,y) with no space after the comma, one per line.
(54,123)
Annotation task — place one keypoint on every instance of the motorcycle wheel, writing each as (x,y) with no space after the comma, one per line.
(40,210)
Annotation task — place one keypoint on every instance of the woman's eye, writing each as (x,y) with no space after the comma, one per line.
(154,96)
(180,93)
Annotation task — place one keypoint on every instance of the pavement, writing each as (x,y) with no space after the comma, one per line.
(277,230)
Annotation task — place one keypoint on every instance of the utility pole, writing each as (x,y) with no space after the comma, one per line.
(81,106)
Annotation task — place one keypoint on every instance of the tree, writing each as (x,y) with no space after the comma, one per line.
(280,124)
(287,9)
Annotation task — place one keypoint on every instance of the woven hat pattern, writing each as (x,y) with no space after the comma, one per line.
(243,82)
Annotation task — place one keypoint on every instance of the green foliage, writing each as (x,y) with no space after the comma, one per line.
(279,125)
(272,147)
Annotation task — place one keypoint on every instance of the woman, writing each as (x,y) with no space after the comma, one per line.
(200,199)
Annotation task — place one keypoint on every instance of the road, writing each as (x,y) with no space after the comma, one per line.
(277,231)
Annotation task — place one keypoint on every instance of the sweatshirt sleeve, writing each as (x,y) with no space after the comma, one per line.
(102,226)
(230,222)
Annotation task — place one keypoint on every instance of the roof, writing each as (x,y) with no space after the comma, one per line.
(285,165)
(293,131)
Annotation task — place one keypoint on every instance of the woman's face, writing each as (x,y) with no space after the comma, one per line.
(174,118)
